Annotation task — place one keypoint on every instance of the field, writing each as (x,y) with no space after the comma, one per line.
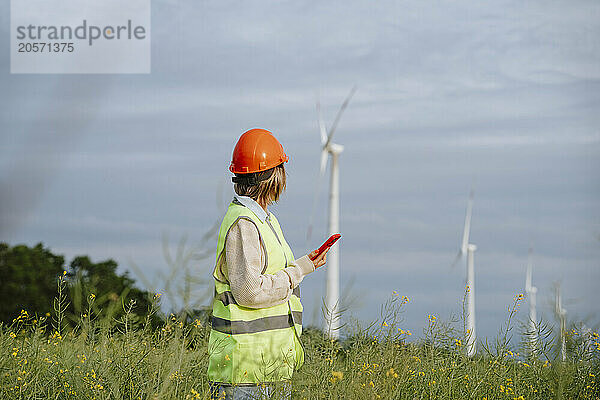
(126,359)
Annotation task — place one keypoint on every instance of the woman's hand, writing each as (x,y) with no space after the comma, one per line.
(319,261)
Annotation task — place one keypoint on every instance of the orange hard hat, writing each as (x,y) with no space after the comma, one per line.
(256,150)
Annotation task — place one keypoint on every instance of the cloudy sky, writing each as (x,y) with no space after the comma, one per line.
(500,96)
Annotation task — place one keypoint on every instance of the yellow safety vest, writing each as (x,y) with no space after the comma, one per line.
(254,345)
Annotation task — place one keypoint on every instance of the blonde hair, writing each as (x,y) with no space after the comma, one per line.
(267,191)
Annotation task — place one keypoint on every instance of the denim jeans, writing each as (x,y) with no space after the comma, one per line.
(250,392)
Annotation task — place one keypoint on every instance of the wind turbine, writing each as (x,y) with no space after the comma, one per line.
(469,249)
(333,151)
(561,313)
(531,296)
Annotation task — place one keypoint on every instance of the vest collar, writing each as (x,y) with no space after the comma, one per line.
(253,206)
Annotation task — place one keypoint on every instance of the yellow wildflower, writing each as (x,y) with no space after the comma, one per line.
(336,376)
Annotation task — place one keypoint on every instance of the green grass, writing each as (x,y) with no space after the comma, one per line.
(126,359)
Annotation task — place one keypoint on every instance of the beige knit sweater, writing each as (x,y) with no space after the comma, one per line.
(242,265)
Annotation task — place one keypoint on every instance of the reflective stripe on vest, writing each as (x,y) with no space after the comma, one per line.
(256,325)
(227,297)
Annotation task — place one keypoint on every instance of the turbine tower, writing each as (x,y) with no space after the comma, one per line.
(469,249)
(531,296)
(561,313)
(333,151)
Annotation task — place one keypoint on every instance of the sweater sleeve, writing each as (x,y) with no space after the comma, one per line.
(245,261)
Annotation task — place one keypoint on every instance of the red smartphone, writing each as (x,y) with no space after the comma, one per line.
(328,243)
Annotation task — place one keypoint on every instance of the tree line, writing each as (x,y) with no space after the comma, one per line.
(28,281)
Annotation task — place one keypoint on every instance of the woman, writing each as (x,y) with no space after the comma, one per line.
(257,315)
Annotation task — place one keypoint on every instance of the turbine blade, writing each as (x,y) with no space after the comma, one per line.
(323,163)
(322,128)
(467,230)
(456,259)
(529,271)
(339,115)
